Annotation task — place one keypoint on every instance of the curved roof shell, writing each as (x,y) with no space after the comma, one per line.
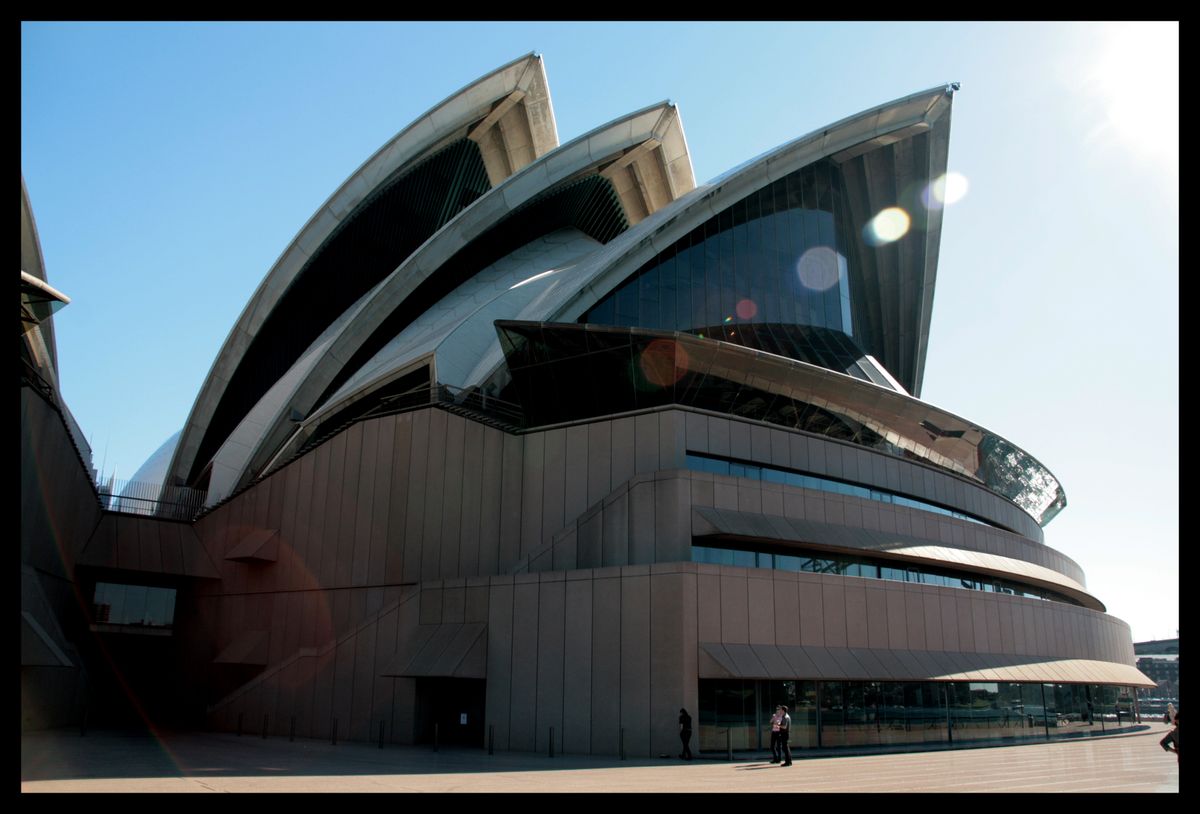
(507,114)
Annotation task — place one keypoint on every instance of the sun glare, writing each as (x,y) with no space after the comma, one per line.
(1136,78)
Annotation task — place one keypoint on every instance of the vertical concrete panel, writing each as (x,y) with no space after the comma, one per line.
(500,659)
(897,618)
(812,612)
(364,504)
(553,489)
(787,610)
(414,515)
(289,512)
(452,498)
(761,609)
(816,456)
(635,663)
(381,500)
(576,473)
(670,682)
(362,700)
(398,498)
(798,447)
(149,548)
(992,619)
(696,432)
(966,625)
(606,666)
(454,604)
(834,599)
(435,482)
(735,610)
(850,465)
(471,491)
(672,439)
(719,433)
(645,445)
(523,695)
(512,467)
(623,439)
(490,501)
(760,443)
(347,506)
(615,520)
(577,670)
(381,691)
(278,628)
(739,440)
(979,624)
(590,541)
(780,449)
(599,460)
(343,686)
(672,520)
(708,609)
(641,522)
(856,614)
(532,473)
(914,606)
(128,546)
(551,631)
(933,621)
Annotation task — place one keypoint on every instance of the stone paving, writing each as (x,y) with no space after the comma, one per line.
(63,761)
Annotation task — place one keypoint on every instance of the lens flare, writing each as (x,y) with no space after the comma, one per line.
(746,309)
(818,268)
(889,225)
(728,320)
(663,362)
(945,190)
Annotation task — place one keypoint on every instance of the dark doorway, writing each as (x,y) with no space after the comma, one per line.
(455,705)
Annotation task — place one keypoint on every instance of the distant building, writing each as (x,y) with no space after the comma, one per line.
(1159,659)
(539,443)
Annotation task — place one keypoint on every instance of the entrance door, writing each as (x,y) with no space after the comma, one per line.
(456,706)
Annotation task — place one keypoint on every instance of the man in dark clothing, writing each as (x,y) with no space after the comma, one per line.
(685,734)
(785,731)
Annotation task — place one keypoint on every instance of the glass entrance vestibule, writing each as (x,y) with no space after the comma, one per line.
(736,714)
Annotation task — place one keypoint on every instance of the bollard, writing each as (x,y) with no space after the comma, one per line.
(335,732)
(491,737)
(380,734)
(729,744)
(435,737)
(621,743)
(551,741)
(239,724)
(83,724)
(292,733)
(265,719)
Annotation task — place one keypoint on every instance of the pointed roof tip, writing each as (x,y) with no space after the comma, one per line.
(951,87)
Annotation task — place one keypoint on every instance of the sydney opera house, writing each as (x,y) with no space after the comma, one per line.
(531,444)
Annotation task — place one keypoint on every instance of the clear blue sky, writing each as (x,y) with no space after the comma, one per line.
(168,165)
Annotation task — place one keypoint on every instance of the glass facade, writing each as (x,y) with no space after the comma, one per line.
(134,605)
(723,466)
(775,258)
(735,714)
(562,372)
(846,565)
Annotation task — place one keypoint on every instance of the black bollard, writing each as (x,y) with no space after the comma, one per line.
(729,744)
(491,737)
(292,733)
(266,718)
(381,734)
(621,744)
(239,724)
(335,731)
(551,741)
(83,724)
(435,737)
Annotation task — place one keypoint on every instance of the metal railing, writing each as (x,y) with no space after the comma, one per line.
(150,499)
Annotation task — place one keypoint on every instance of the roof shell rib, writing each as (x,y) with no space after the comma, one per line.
(653,134)
(507,113)
(897,297)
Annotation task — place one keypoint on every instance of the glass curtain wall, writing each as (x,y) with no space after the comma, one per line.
(833,714)
(773,258)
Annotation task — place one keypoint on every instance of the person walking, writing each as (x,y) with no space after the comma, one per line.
(776,752)
(1171,741)
(685,734)
(785,731)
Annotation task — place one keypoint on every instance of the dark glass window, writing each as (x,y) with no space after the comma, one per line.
(133,605)
(774,257)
